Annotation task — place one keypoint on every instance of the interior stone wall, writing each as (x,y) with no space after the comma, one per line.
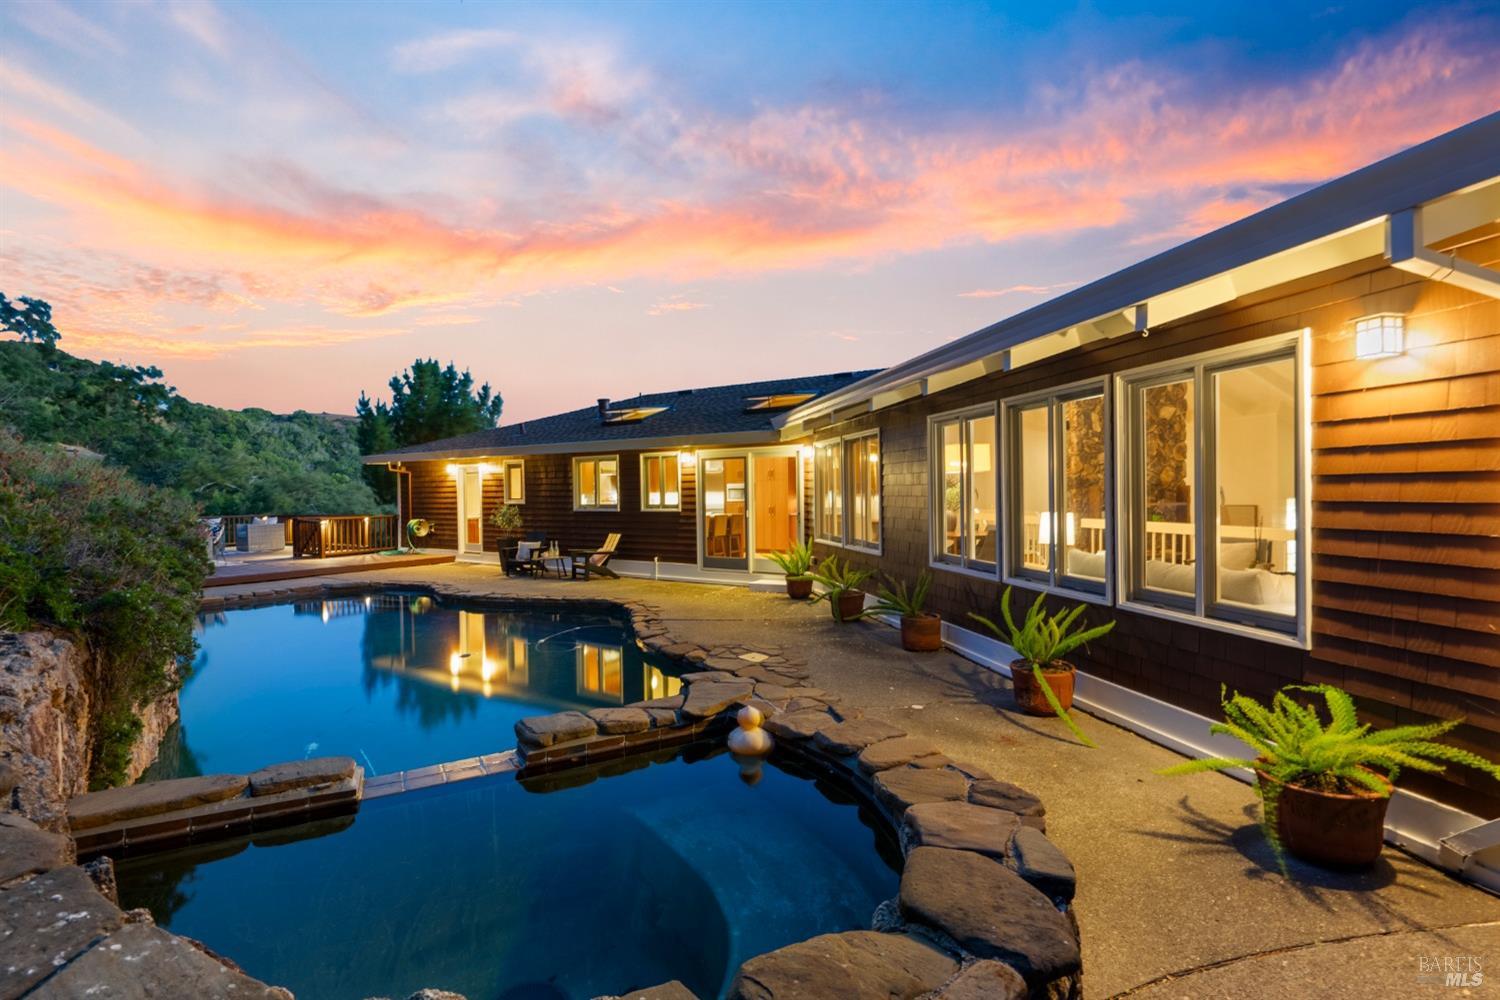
(1168,492)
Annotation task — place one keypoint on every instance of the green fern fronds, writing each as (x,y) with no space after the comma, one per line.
(1294,746)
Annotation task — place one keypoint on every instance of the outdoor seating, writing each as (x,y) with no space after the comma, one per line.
(524,557)
(587,563)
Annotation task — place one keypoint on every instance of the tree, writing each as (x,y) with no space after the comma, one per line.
(427,403)
(33,324)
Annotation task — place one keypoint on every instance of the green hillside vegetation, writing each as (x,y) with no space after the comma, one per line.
(225,461)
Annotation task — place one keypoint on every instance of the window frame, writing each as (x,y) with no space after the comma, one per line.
(936,557)
(840,445)
(1054,581)
(1204,609)
(580,507)
(836,444)
(505,467)
(657,456)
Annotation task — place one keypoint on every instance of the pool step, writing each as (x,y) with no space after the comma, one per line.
(161,815)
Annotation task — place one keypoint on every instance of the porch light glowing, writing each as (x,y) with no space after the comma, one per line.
(1381,336)
(452,470)
(807,451)
(685,457)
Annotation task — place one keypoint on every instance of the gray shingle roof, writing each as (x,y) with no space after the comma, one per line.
(691,415)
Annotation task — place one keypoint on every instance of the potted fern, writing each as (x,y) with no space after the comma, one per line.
(841,584)
(1041,678)
(796,562)
(1324,787)
(921,630)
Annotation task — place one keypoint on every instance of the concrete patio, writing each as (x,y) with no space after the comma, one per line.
(1178,896)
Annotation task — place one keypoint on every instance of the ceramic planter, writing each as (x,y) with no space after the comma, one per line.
(848,605)
(799,588)
(1029,696)
(1337,829)
(921,633)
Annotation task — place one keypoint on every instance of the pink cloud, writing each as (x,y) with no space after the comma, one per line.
(995,293)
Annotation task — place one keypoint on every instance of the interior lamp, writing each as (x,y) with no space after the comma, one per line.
(1044,529)
(1291,525)
(1380,336)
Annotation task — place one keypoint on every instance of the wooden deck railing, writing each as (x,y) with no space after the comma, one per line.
(344,535)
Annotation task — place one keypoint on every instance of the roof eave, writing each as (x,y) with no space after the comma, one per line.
(664,442)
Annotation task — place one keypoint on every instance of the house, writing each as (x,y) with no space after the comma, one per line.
(1272,454)
(701,484)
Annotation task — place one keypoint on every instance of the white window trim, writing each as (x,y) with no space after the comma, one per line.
(1198,366)
(609,508)
(505,468)
(661,508)
(845,539)
(935,507)
(817,512)
(849,542)
(1055,583)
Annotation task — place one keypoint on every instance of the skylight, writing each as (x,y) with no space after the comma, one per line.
(779,401)
(631,415)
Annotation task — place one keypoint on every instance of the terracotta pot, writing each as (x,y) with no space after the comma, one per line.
(1030,698)
(1337,829)
(799,588)
(921,633)
(848,605)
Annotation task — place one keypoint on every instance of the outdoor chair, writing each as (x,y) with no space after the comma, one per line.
(522,557)
(587,563)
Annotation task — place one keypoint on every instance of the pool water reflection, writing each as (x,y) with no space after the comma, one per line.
(677,870)
(394,680)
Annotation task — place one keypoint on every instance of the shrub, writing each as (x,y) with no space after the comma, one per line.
(87,550)
(1293,746)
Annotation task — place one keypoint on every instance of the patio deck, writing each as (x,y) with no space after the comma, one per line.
(1178,893)
(243,568)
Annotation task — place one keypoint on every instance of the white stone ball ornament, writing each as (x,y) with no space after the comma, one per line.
(749,740)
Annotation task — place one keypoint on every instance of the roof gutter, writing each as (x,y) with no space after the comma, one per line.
(767,436)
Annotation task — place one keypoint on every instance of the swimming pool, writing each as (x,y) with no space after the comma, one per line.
(394,680)
(676,870)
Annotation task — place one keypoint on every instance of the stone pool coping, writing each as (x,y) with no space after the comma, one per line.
(983,906)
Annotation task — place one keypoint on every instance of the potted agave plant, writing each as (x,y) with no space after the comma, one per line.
(797,563)
(1040,676)
(921,630)
(1324,787)
(842,585)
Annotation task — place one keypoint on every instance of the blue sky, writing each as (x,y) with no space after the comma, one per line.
(283,204)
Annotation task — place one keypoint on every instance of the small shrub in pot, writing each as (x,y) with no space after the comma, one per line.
(1041,677)
(797,563)
(1325,787)
(842,585)
(921,630)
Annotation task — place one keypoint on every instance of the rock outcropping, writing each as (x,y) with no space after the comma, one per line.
(44,710)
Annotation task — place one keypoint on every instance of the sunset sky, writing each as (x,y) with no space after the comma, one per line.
(283,204)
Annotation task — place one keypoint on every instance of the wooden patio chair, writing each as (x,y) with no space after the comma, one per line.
(587,563)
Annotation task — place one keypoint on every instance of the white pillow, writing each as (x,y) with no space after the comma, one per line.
(1243,586)
(1175,577)
(1236,555)
(1089,565)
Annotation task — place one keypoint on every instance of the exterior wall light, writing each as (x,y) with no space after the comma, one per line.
(1380,336)
(452,470)
(685,457)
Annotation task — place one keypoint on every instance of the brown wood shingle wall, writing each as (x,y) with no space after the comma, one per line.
(1405,510)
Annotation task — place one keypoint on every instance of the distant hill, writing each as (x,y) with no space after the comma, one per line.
(247,461)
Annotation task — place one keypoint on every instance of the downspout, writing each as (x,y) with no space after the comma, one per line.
(398,470)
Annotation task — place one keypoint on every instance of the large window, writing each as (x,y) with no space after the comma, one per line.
(1213,488)
(846,483)
(965,486)
(828,484)
(1057,521)
(660,482)
(862,465)
(596,483)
